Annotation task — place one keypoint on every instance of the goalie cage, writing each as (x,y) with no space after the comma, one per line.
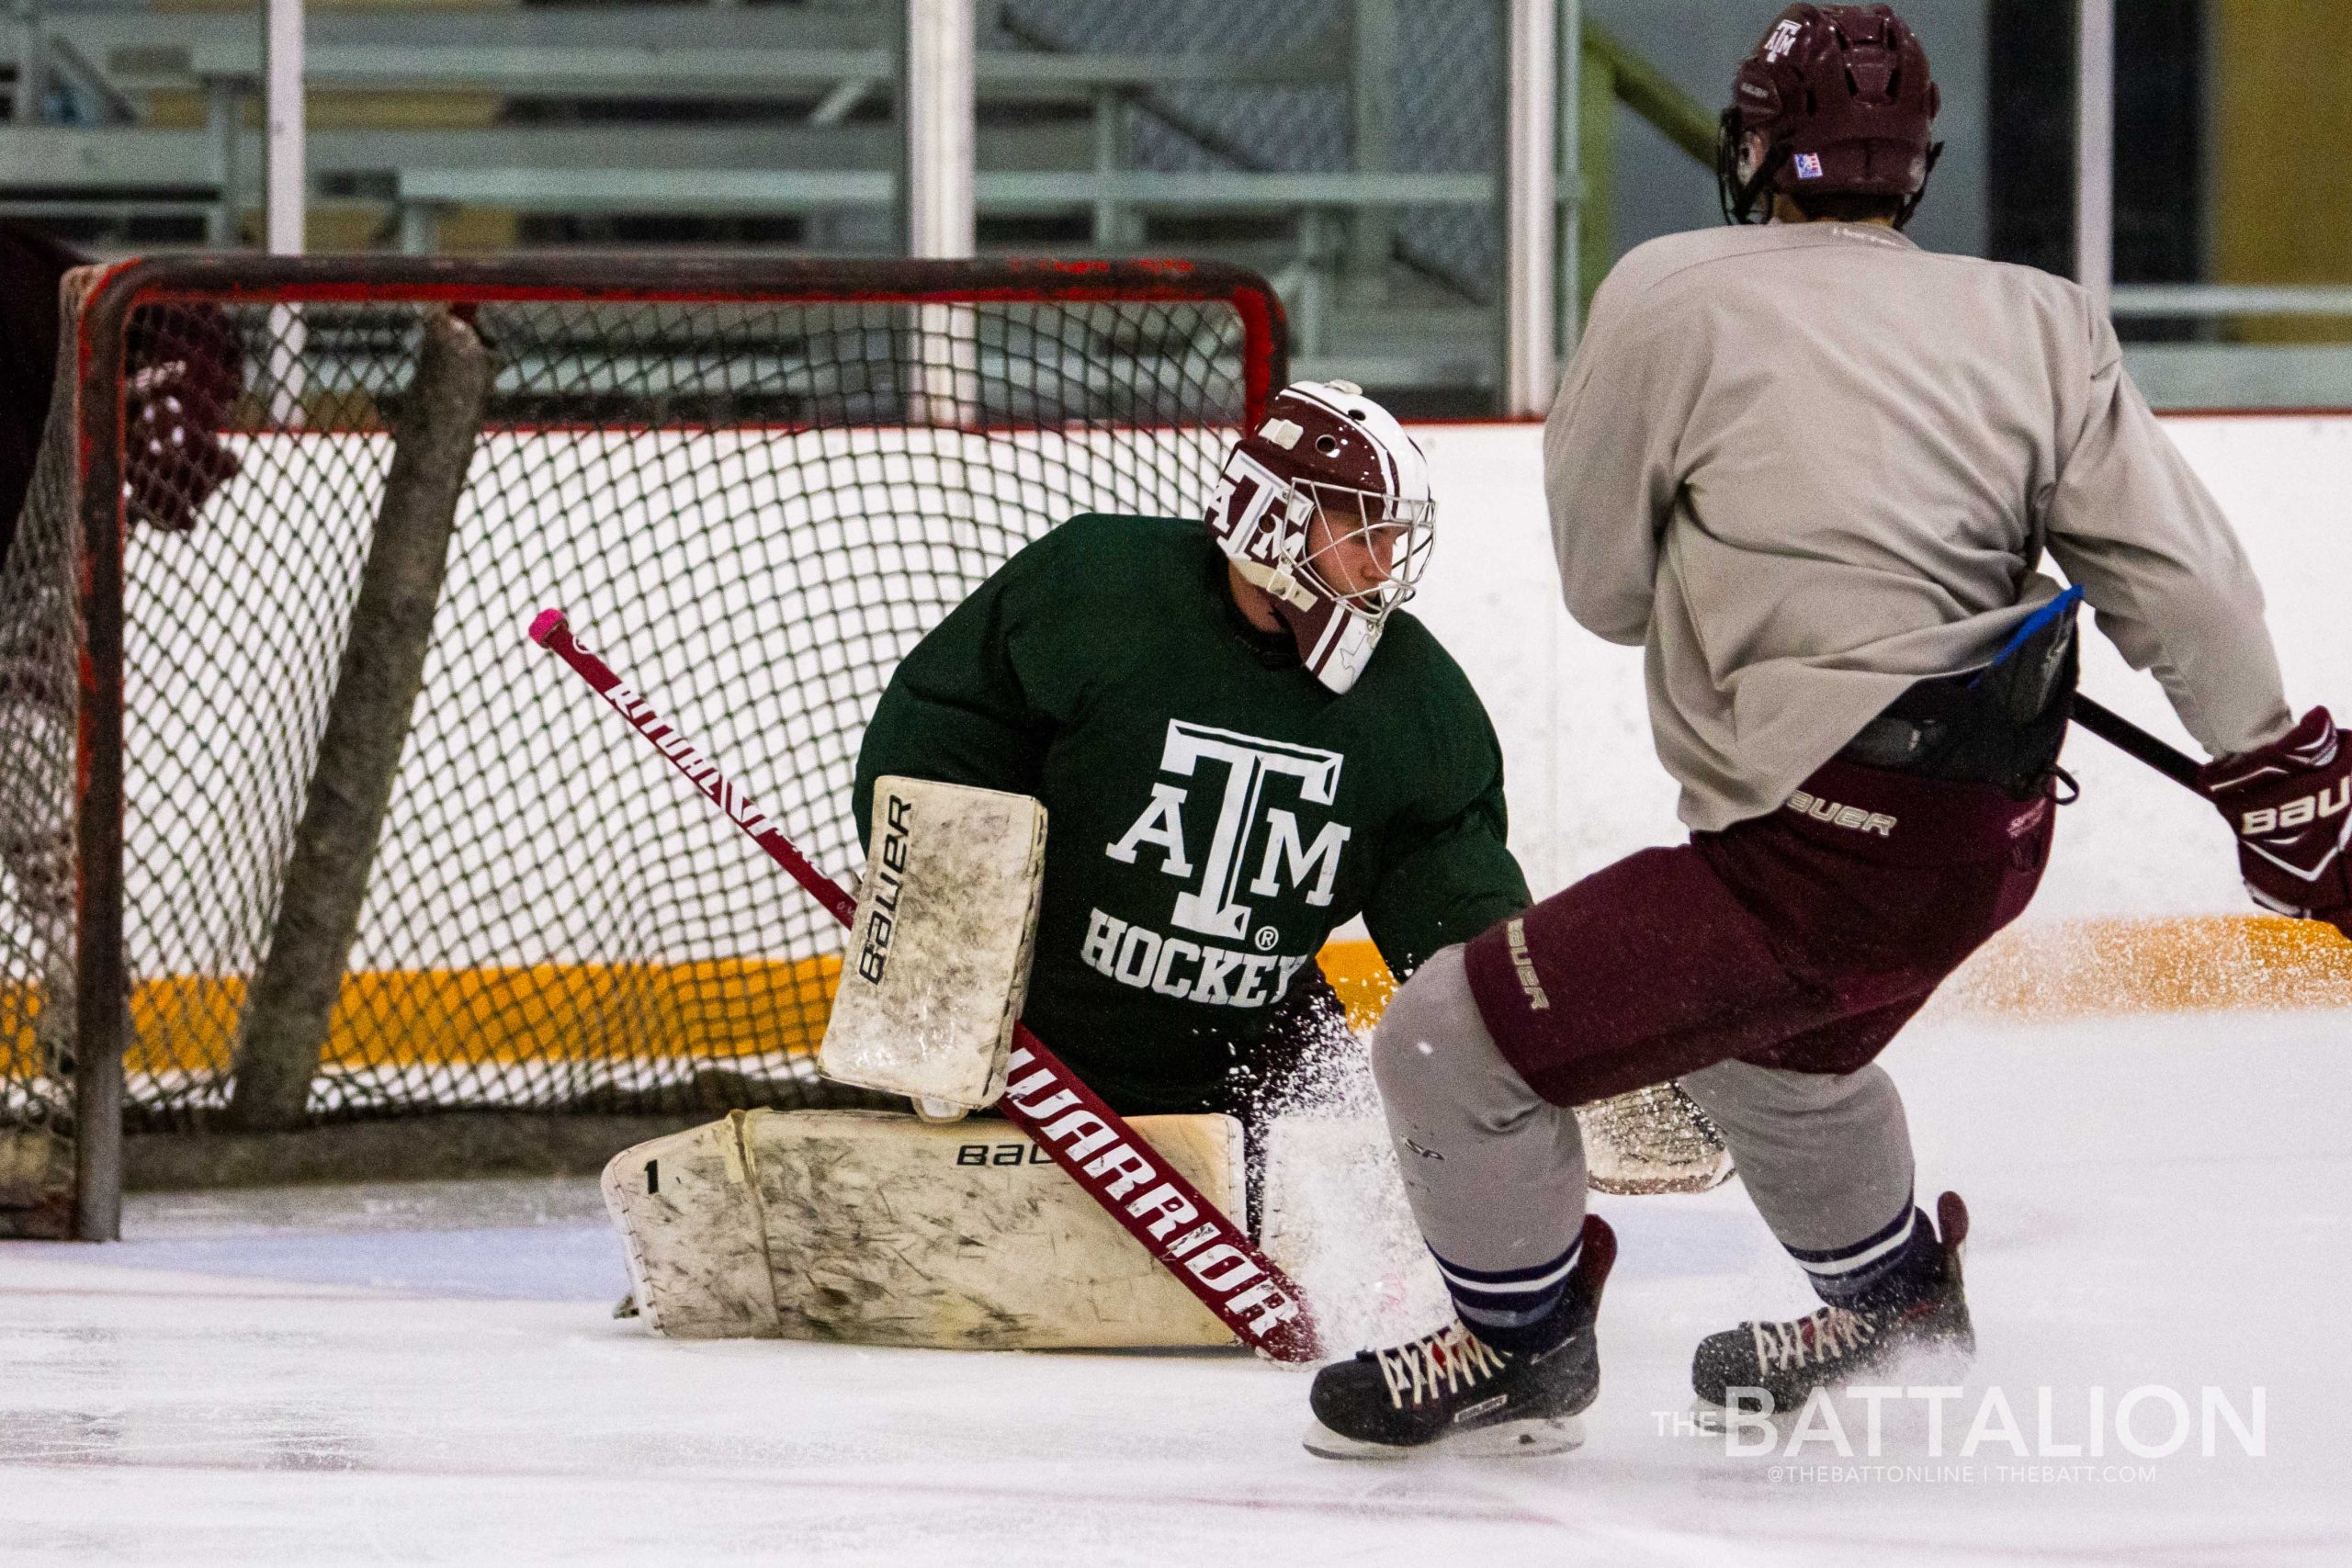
(763,480)
(278,848)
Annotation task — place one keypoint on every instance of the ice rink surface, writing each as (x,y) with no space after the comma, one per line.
(431,1375)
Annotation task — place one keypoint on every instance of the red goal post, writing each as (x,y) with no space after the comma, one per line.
(787,469)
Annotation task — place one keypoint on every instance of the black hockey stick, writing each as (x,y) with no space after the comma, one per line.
(2125,736)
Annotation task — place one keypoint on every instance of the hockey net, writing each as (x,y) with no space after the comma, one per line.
(757,484)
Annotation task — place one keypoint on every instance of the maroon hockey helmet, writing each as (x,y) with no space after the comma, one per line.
(1326,506)
(1842,100)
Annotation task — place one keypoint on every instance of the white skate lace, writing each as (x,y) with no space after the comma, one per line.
(1453,1356)
(1830,1334)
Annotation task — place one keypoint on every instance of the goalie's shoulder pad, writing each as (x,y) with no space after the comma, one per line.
(938,959)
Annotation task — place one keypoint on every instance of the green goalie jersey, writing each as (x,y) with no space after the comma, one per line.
(1212,811)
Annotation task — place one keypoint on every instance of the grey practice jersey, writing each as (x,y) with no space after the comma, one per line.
(1807,465)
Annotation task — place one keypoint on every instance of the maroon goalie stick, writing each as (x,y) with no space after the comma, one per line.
(1206,1252)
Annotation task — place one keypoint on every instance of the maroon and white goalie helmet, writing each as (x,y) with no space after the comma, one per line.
(1327,507)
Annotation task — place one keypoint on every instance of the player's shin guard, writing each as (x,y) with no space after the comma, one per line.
(1493,1172)
(1457,1391)
(1909,1305)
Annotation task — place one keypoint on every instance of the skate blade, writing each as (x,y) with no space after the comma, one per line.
(1713,1420)
(1530,1438)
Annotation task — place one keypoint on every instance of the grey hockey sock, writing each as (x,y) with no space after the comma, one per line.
(1514,1309)
(1844,1275)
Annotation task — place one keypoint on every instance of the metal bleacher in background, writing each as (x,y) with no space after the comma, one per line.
(1348,149)
(1355,151)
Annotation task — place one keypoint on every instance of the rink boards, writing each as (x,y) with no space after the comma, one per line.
(184,1026)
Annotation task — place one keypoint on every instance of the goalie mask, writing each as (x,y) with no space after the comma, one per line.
(1327,507)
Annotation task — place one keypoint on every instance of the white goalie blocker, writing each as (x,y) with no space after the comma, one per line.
(938,959)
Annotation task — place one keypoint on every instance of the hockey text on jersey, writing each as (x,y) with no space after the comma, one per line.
(1188,971)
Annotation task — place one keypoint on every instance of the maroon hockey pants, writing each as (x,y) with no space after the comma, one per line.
(1803,940)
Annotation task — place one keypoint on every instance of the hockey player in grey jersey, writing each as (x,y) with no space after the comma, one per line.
(1812,470)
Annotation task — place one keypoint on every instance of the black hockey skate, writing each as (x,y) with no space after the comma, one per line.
(1451,1393)
(1920,1308)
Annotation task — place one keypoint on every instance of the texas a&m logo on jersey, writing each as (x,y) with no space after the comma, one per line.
(1257,847)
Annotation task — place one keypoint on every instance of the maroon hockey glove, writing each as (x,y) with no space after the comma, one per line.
(186,370)
(2287,803)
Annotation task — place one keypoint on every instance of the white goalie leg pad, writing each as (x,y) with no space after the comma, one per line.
(881,1229)
(938,959)
(885,1230)
(888,1230)
(690,1218)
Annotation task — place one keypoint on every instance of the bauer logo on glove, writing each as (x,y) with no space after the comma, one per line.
(888,874)
(2287,802)
(2301,813)
(938,960)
